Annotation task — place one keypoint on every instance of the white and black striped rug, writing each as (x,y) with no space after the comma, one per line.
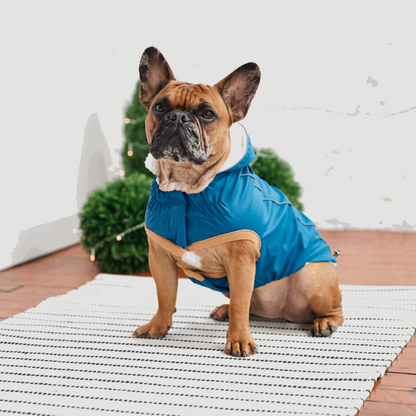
(74,355)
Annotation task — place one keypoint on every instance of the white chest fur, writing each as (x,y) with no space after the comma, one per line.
(191,259)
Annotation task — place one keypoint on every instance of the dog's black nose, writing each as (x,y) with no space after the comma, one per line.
(180,116)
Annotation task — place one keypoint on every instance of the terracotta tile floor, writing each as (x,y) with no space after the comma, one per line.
(367,258)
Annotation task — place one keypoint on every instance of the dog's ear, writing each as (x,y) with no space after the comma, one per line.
(239,88)
(155,74)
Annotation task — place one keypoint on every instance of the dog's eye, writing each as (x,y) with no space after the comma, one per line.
(159,108)
(208,114)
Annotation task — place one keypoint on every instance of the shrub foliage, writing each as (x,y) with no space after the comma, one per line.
(277,173)
(111,210)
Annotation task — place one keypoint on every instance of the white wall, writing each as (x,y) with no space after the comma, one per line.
(336,100)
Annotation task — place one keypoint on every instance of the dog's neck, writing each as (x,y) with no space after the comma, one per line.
(192,179)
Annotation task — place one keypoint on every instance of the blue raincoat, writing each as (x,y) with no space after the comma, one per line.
(237,199)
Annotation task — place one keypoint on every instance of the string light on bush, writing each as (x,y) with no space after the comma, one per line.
(118,237)
(134,121)
(131,146)
(130,151)
(119,172)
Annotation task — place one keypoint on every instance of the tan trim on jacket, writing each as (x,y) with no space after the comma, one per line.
(209,242)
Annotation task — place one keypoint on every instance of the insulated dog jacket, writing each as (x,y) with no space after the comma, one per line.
(236,205)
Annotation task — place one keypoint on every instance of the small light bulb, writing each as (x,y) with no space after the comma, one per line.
(130,152)
(118,238)
(92,257)
(75,231)
(111,168)
(121,172)
(126,120)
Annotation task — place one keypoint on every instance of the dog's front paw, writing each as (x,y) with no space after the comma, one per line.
(240,343)
(151,330)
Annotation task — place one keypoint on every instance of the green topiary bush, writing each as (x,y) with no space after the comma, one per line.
(277,173)
(135,135)
(108,212)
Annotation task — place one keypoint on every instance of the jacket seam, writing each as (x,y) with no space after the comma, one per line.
(278,203)
(304,223)
(259,188)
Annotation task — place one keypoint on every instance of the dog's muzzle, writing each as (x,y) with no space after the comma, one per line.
(178,138)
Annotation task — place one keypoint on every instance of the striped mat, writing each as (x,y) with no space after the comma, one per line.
(74,355)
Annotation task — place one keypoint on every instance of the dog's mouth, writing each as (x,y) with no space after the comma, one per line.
(178,138)
(179,150)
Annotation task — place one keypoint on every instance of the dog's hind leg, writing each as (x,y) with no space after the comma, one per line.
(220,313)
(319,283)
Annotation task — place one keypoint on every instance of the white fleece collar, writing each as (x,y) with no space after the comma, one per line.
(239,143)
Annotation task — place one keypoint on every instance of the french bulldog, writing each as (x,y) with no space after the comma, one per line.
(212,216)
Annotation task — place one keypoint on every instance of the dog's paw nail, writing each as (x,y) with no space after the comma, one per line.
(333,329)
(255,350)
(228,352)
(244,354)
(238,354)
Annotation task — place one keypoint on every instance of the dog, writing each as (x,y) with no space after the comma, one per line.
(212,216)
